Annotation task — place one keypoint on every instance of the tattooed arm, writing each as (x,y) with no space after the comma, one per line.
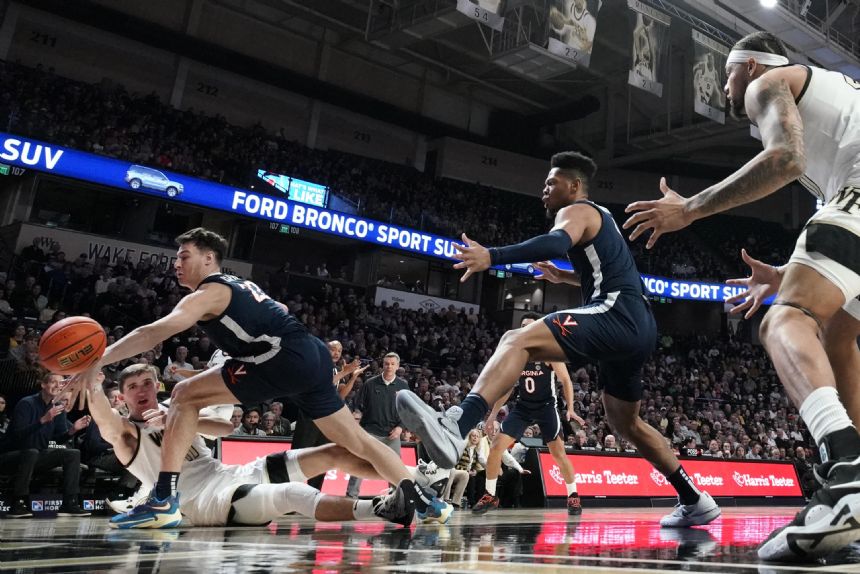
(770,104)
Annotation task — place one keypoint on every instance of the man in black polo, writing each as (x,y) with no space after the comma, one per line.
(39,420)
(375,401)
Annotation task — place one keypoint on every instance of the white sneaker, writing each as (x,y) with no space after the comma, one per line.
(123,505)
(439,432)
(705,510)
(429,475)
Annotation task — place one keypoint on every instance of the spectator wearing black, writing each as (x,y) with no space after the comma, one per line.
(808,484)
(375,401)
(4,417)
(39,420)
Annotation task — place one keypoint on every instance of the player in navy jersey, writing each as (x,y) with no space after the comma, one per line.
(536,404)
(614,326)
(272,355)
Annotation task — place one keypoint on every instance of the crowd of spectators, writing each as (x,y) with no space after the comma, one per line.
(104,118)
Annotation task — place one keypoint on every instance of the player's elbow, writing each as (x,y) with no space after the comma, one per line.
(791,161)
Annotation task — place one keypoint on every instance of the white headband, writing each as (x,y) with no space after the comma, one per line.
(763,58)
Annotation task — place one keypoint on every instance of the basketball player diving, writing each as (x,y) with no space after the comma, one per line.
(614,326)
(216,494)
(272,355)
(809,119)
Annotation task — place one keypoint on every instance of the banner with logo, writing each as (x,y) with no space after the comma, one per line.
(75,243)
(649,30)
(608,476)
(709,64)
(239,451)
(572,25)
(419,301)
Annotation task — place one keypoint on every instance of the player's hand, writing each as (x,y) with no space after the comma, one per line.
(549,272)
(395,433)
(669,213)
(572,416)
(763,283)
(358,372)
(490,420)
(350,367)
(473,257)
(525,471)
(77,385)
(154,419)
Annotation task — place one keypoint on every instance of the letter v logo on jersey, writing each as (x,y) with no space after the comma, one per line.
(235,372)
(563,325)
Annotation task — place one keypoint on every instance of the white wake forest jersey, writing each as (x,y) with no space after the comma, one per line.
(829,106)
(206,485)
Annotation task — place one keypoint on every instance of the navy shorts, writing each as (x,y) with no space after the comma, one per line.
(301,371)
(524,414)
(620,337)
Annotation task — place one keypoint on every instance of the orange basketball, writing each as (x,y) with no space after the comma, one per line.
(72,345)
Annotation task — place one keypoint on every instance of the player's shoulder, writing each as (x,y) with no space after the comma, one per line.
(796,76)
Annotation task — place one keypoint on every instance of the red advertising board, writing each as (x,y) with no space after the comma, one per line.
(633,476)
(242,451)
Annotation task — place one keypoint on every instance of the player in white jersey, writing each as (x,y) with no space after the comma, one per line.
(215,493)
(809,119)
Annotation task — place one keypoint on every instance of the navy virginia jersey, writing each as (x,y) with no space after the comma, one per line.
(605,264)
(252,326)
(537,383)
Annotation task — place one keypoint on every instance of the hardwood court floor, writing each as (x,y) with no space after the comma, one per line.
(526,541)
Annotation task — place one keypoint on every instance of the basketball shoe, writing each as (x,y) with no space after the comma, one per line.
(394,507)
(828,522)
(439,432)
(488,502)
(153,513)
(703,511)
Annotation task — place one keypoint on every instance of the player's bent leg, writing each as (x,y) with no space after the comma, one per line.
(318,460)
(694,507)
(840,344)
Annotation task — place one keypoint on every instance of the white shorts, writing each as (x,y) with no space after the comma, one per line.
(830,244)
(209,504)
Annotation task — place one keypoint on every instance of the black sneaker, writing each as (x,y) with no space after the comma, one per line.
(574,505)
(72,509)
(828,522)
(395,507)
(19,510)
(488,502)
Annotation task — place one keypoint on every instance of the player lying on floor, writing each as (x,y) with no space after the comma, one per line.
(215,493)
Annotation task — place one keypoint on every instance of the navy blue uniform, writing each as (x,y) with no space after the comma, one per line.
(272,353)
(615,325)
(536,403)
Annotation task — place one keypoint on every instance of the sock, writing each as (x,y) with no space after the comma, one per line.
(491,486)
(824,414)
(363,510)
(166,485)
(571,488)
(419,496)
(475,408)
(683,484)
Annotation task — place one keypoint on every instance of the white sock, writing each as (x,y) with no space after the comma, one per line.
(363,510)
(571,488)
(491,486)
(823,413)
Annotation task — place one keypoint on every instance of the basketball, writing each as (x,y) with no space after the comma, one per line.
(72,345)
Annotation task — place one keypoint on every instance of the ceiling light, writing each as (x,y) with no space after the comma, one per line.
(769,3)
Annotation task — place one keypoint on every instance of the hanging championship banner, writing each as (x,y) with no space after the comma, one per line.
(650,32)
(572,24)
(486,12)
(709,63)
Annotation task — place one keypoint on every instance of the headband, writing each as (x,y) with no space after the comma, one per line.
(763,58)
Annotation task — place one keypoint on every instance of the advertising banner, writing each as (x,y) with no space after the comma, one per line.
(242,451)
(419,301)
(624,476)
(650,37)
(709,64)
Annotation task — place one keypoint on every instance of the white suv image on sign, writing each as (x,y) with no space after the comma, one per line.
(139,176)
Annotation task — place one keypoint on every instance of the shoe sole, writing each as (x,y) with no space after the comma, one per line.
(839,528)
(486,509)
(158,521)
(75,514)
(416,415)
(443,518)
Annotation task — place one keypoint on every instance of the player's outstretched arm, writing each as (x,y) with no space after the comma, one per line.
(211,299)
(769,102)
(114,428)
